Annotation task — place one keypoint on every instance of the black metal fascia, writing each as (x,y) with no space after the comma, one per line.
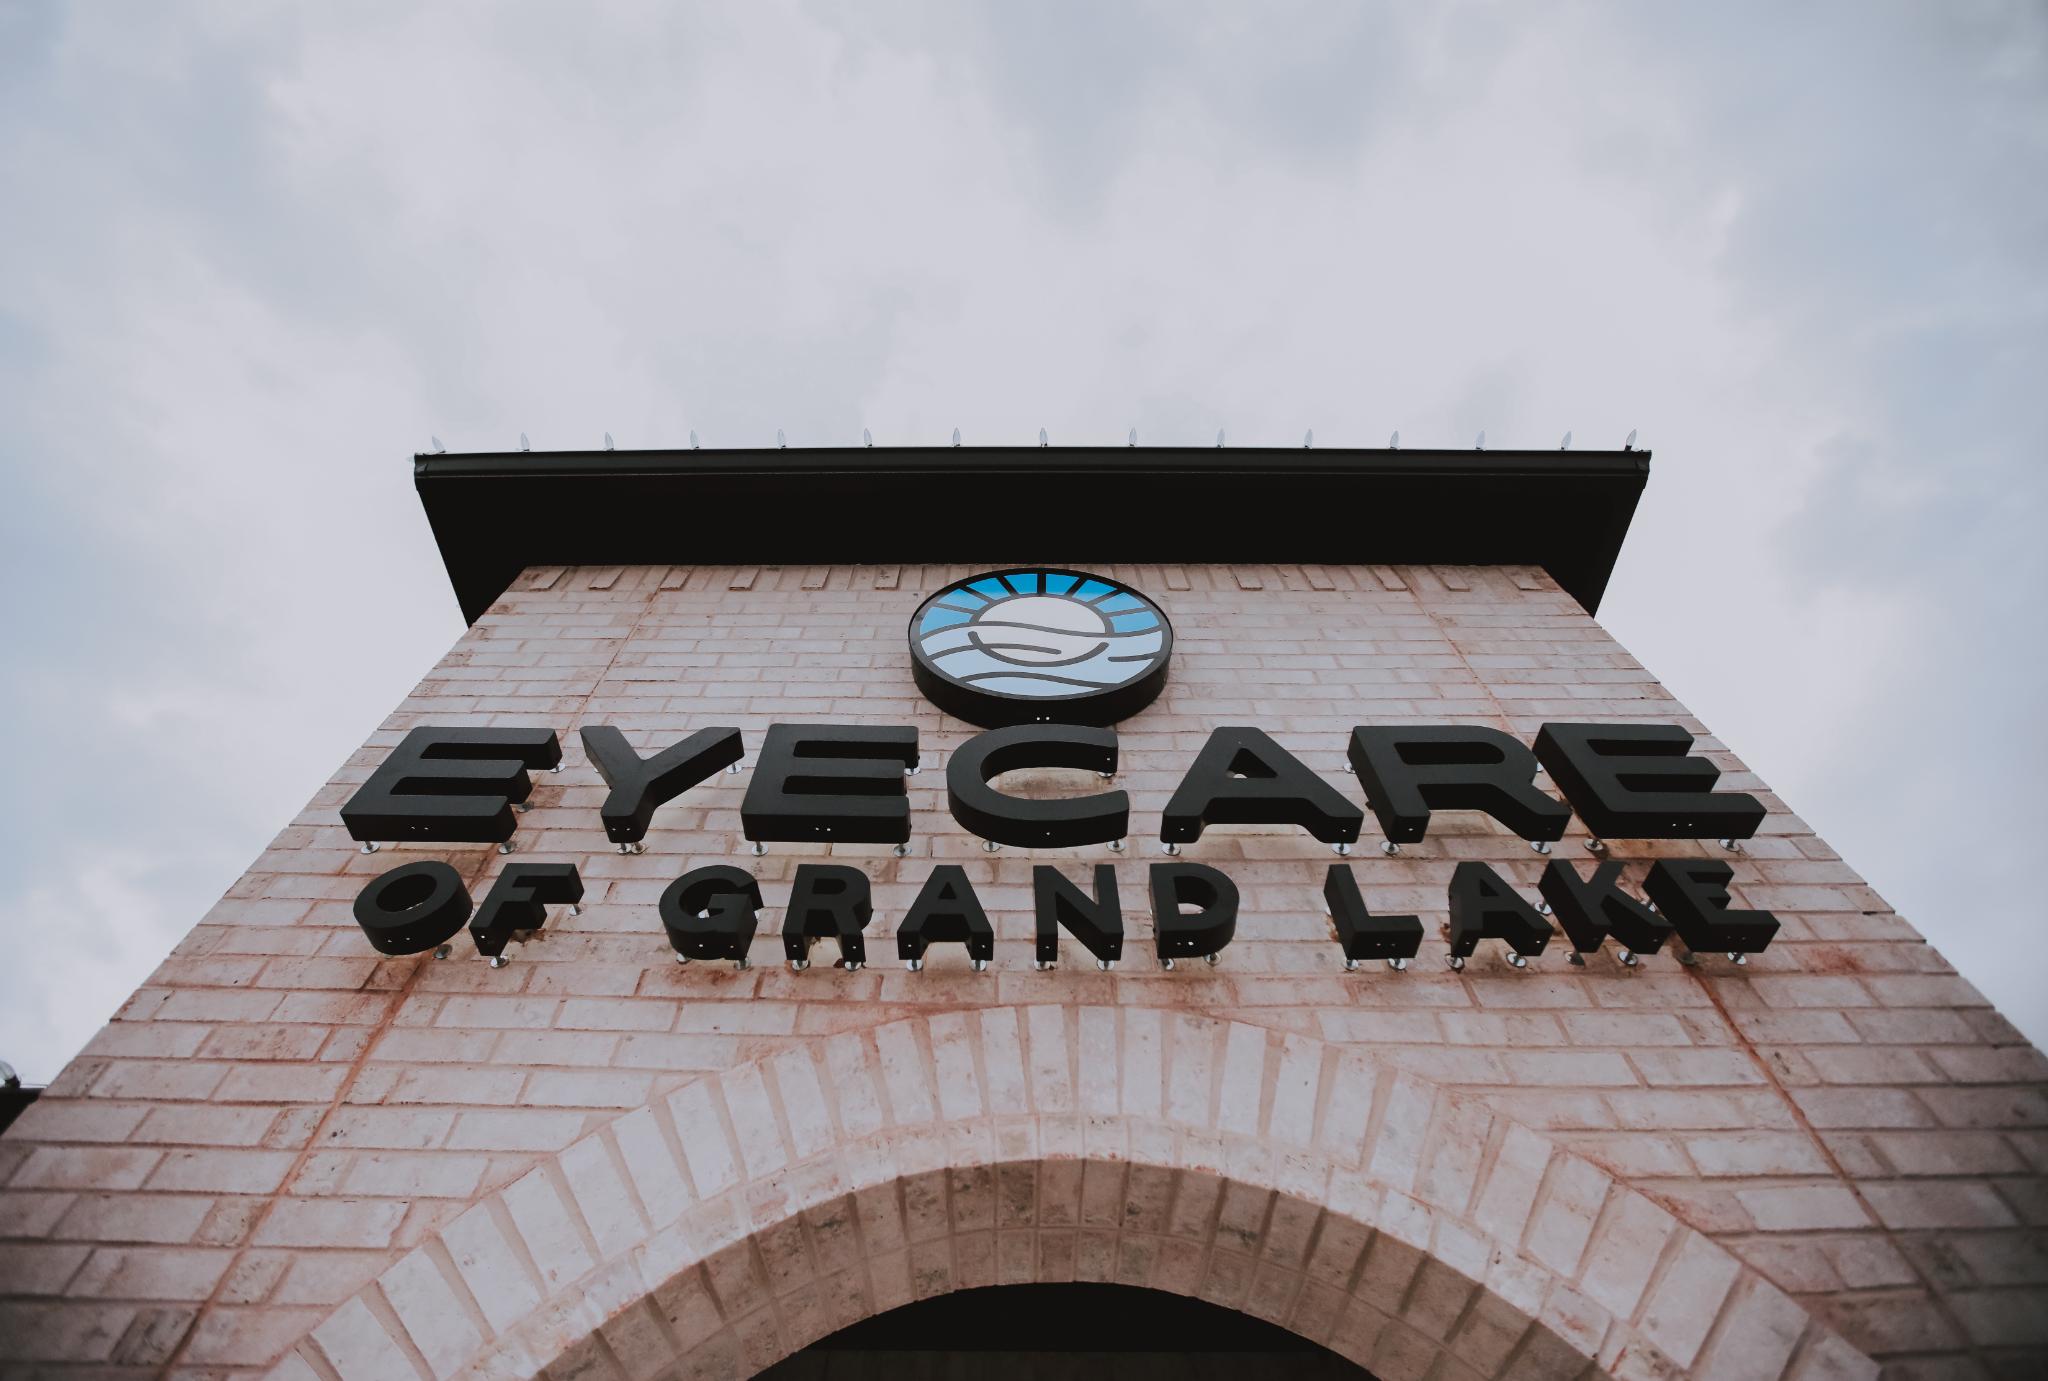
(496,513)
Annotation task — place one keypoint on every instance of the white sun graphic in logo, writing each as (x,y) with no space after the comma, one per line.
(1040,634)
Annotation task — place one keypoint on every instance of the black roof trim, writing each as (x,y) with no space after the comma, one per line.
(496,513)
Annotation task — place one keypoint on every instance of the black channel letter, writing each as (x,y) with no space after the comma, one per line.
(1636,781)
(413,908)
(1242,777)
(1410,771)
(946,912)
(1006,819)
(827,901)
(1484,907)
(838,782)
(1362,934)
(1588,910)
(1097,921)
(641,785)
(519,900)
(451,786)
(1199,932)
(711,913)
(1692,893)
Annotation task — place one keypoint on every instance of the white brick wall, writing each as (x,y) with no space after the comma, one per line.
(289,1152)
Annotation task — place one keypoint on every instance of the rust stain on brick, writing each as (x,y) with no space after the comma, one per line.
(1830,959)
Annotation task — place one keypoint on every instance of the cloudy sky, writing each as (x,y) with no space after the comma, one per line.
(252,256)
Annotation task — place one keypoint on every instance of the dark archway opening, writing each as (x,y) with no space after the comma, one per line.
(1073,1332)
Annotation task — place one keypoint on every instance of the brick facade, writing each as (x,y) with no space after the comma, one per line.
(289,1155)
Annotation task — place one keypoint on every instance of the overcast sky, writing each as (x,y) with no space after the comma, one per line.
(251,256)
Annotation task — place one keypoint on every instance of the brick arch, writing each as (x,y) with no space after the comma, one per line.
(747,1214)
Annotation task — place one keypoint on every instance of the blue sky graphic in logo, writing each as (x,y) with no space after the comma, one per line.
(1069,646)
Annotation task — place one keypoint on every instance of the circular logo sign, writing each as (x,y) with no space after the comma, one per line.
(1034,646)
